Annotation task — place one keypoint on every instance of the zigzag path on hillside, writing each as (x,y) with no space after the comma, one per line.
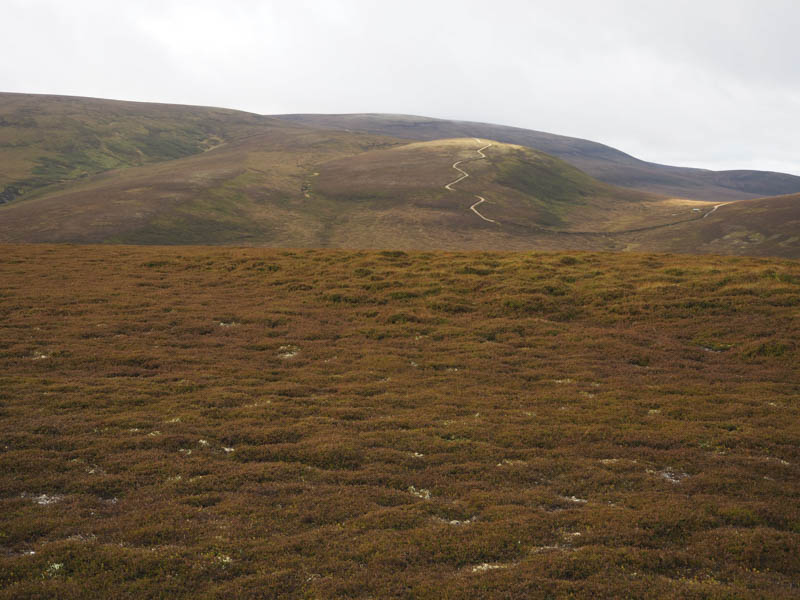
(464,175)
(481,200)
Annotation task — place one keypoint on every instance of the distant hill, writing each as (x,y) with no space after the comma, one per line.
(84,170)
(46,140)
(143,173)
(353,190)
(598,160)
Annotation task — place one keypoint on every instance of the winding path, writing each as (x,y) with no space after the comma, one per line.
(481,199)
(464,175)
(714,209)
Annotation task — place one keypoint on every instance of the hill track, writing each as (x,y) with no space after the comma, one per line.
(464,175)
(714,209)
(481,199)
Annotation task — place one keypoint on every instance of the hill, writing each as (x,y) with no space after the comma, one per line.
(264,181)
(315,188)
(248,423)
(235,190)
(598,160)
(421,191)
(46,140)
(761,227)
(98,171)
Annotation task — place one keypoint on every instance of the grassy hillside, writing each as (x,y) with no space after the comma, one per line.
(247,189)
(46,140)
(197,422)
(528,193)
(98,171)
(603,162)
(762,227)
(299,187)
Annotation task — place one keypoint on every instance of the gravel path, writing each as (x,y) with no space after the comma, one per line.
(464,175)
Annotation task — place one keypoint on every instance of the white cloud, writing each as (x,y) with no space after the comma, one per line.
(713,84)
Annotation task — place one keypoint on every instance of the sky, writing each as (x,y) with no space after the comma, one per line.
(704,83)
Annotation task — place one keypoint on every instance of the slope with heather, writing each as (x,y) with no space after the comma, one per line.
(247,423)
(47,140)
(245,189)
(598,160)
(416,195)
(87,170)
(761,227)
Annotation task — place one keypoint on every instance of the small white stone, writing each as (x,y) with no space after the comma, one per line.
(487,567)
(672,476)
(574,499)
(510,462)
(419,493)
(287,352)
(45,500)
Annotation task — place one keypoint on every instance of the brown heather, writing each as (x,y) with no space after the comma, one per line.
(222,423)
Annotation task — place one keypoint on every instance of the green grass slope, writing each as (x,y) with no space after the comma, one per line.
(247,423)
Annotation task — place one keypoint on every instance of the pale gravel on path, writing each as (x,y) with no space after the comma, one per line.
(464,175)
(714,209)
(481,199)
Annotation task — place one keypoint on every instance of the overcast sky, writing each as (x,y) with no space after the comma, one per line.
(706,83)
